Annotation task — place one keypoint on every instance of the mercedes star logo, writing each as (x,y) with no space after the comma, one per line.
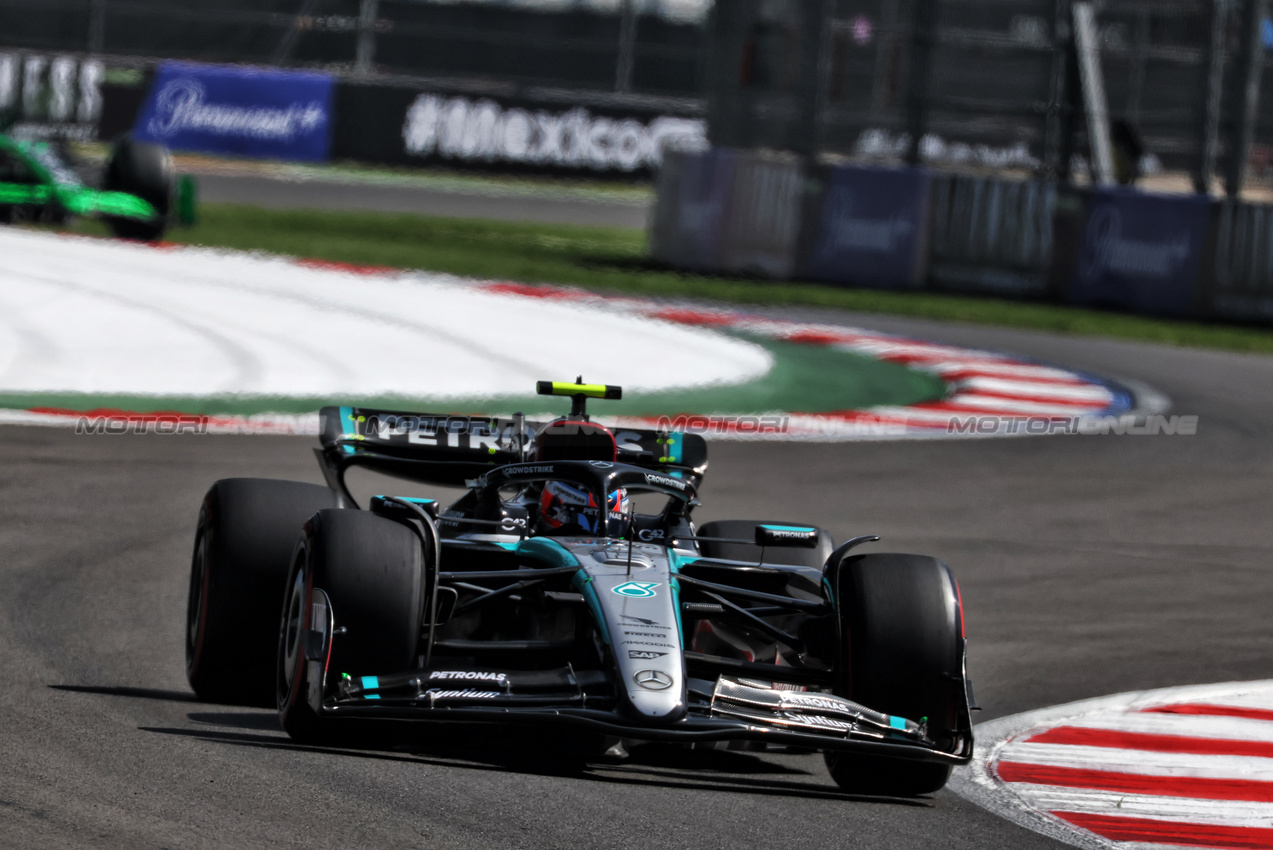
(653,679)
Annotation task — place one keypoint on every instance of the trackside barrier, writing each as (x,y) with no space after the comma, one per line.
(762,220)
(693,195)
(51,96)
(765,215)
(406,125)
(310,116)
(72,97)
(867,226)
(1165,255)
(240,111)
(992,235)
(1238,269)
(1141,252)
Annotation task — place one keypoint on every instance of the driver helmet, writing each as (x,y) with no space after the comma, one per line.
(566,508)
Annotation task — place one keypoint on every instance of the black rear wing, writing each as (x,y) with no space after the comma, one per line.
(452,450)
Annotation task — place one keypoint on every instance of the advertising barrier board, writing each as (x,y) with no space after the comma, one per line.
(694,194)
(869,227)
(1141,252)
(52,96)
(406,126)
(239,111)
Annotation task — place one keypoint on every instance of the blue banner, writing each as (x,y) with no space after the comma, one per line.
(1141,252)
(689,216)
(239,111)
(871,227)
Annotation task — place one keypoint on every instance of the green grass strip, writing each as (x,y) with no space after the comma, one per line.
(616,261)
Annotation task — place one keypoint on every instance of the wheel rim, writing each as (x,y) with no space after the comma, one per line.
(289,648)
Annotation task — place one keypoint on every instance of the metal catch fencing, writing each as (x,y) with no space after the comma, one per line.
(633,48)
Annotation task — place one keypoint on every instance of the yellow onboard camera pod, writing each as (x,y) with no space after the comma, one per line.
(579,393)
(586,390)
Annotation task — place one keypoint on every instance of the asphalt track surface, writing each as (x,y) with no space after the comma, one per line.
(1089,566)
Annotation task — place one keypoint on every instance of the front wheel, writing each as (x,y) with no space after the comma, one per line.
(243,545)
(903,633)
(371,573)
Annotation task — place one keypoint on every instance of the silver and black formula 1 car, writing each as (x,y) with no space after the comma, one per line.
(542,596)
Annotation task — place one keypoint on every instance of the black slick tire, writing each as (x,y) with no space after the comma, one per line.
(243,545)
(903,631)
(372,571)
(143,169)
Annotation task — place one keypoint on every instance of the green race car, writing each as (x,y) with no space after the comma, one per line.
(38,183)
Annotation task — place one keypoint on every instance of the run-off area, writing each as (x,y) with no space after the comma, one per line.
(90,316)
(259,342)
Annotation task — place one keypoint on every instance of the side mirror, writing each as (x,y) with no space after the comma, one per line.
(789,536)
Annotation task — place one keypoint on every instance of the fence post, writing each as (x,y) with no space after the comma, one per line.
(1209,103)
(97,26)
(923,33)
(366,50)
(1058,123)
(815,69)
(727,61)
(1088,50)
(887,46)
(1251,63)
(286,44)
(627,46)
(1136,96)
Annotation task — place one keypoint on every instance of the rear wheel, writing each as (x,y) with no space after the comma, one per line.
(143,169)
(243,545)
(372,572)
(903,629)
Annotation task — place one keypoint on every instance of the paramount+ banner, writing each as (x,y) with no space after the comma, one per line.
(1141,252)
(404,126)
(867,226)
(238,111)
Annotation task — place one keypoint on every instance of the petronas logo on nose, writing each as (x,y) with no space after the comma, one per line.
(636,589)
